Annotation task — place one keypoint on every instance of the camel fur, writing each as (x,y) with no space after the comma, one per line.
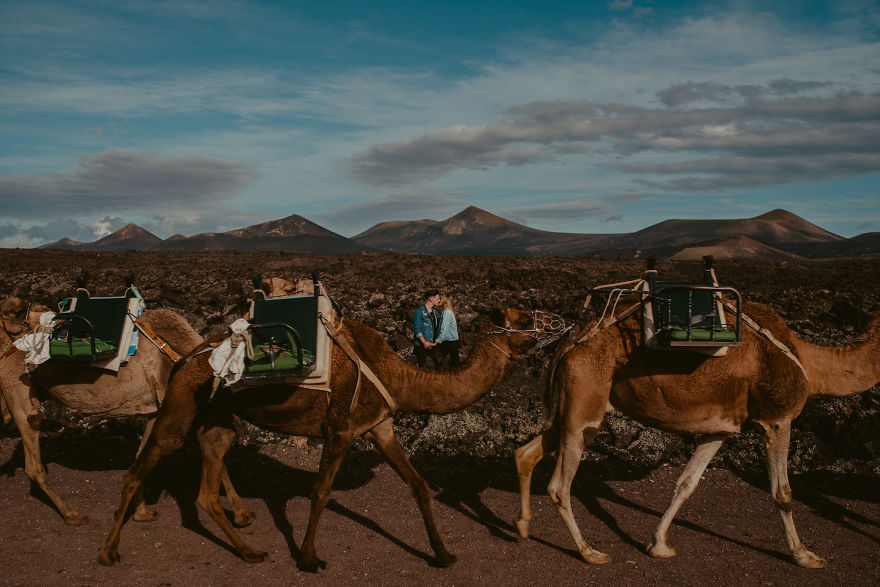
(290,410)
(690,394)
(137,388)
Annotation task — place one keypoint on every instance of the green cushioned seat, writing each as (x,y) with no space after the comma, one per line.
(299,313)
(79,348)
(100,317)
(698,334)
(284,361)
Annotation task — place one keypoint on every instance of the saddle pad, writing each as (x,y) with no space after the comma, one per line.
(698,334)
(82,349)
(284,361)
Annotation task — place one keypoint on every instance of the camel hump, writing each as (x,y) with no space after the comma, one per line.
(769,319)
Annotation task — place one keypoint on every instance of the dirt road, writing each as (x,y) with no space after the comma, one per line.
(728,533)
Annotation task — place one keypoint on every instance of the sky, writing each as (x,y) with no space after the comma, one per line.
(193,116)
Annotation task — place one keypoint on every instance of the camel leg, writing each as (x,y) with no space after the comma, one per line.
(382,435)
(571,447)
(777,436)
(242,516)
(706,448)
(214,441)
(4,411)
(141,512)
(132,480)
(20,405)
(527,458)
(335,447)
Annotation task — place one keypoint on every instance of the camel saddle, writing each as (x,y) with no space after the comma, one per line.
(689,314)
(287,342)
(97,330)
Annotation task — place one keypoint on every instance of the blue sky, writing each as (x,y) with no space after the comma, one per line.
(590,117)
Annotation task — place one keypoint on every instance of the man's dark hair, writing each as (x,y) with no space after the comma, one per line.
(431,293)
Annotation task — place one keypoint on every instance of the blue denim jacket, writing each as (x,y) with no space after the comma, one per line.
(448,327)
(422,324)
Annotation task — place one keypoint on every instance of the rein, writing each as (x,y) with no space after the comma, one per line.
(543,323)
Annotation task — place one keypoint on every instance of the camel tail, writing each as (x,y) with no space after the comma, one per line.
(551,390)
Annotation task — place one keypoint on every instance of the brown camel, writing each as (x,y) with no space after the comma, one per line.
(137,388)
(685,392)
(333,417)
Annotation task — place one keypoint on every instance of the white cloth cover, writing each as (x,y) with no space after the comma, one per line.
(36,344)
(228,363)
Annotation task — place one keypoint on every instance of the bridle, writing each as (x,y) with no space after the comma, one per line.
(23,322)
(546,329)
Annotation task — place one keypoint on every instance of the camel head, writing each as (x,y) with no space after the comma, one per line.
(527,329)
(13,317)
(277,287)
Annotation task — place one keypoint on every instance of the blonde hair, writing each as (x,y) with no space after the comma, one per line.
(446,302)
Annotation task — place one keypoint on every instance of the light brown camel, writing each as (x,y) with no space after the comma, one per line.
(689,393)
(291,410)
(137,388)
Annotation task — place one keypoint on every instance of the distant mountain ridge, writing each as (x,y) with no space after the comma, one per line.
(777,235)
(293,234)
(130,237)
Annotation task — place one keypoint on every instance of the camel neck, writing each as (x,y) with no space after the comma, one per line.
(846,370)
(440,392)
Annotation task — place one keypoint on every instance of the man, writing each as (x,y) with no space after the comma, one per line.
(425,325)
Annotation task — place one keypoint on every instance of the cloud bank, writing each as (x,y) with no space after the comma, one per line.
(758,136)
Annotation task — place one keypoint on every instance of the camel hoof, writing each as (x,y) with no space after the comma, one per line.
(253,556)
(808,560)
(145,515)
(244,518)
(311,565)
(594,557)
(75,519)
(661,551)
(108,559)
(445,559)
(522,526)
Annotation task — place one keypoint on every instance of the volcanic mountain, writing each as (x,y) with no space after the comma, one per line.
(472,231)
(130,237)
(777,228)
(293,234)
(776,235)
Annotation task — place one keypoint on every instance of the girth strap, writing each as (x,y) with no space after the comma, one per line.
(362,367)
(158,341)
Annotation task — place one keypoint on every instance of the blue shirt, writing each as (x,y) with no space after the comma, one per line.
(448,327)
(422,324)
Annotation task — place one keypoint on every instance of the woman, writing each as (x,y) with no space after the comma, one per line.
(447,339)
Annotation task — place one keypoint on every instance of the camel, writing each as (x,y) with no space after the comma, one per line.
(137,388)
(691,394)
(333,417)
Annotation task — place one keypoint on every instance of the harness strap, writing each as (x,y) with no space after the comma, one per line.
(362,367)
(605,323)
(157,340)
(769,336)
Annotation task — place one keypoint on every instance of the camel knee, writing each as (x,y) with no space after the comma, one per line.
(420,490)
(170,444)
(35,471)
(782,499)
(686,486)
(553,491)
